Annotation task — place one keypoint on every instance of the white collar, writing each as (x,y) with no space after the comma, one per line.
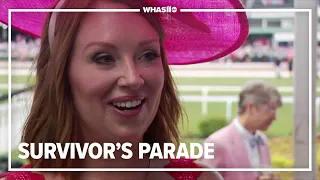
(243,131)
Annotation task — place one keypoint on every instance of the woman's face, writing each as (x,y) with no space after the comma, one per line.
(116,74)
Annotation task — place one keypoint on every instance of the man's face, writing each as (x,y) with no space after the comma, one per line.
(263,115)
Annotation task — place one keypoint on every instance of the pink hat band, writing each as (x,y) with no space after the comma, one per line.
(52,23)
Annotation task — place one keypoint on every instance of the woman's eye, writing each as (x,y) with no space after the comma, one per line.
(149,56)
(103,59)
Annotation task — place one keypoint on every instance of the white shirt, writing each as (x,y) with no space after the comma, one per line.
(253,153)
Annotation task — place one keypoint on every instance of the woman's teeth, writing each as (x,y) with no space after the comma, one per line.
(127,104)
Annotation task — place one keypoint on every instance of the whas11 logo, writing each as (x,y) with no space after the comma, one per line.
(166,9)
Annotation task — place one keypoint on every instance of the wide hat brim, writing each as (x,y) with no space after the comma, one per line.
(190,37)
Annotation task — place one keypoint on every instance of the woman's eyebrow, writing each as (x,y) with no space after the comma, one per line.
(112,46)
(147,42)
(100,43)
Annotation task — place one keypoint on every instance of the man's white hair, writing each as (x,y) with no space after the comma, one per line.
(258,92)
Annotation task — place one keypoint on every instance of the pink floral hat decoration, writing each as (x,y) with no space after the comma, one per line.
(190,37)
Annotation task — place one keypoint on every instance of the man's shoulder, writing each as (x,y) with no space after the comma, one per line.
(221,134)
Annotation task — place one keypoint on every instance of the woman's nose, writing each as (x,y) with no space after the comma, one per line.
(130,75)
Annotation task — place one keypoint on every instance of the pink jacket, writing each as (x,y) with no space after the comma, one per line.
(230,152)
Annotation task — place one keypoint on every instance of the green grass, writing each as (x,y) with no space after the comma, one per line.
(187,81)
(14,157)
(229,93)
(192,81)
(15,154)
(17,79)
(3,91)
(4,102)
(232,81)
(282,126)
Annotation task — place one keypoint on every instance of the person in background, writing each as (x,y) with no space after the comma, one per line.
(243,144)
(276,59)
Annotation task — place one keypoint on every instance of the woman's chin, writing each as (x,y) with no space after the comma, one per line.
(129,136)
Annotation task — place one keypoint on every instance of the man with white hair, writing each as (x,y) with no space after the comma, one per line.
(242,144)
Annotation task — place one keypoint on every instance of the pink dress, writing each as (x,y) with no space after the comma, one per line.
(174,163)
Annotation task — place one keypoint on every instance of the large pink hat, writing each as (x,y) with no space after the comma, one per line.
(190,37)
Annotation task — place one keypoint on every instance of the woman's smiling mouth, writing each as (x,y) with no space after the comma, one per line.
(128,105)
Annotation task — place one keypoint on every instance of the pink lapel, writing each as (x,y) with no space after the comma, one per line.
(240,154)
(239,150)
